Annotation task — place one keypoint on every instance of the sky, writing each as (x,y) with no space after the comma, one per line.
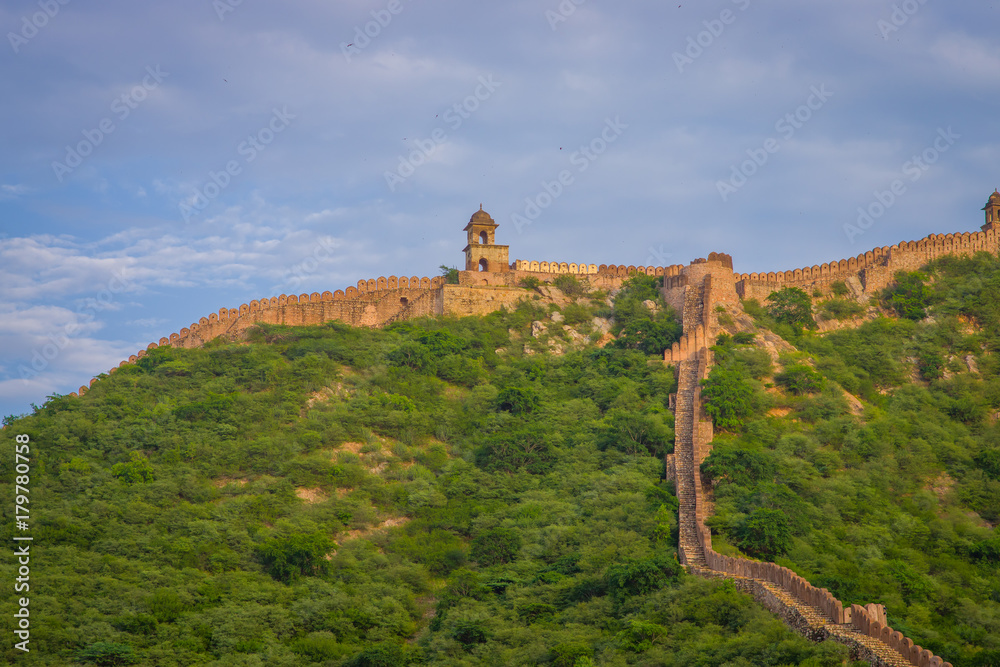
(163,160)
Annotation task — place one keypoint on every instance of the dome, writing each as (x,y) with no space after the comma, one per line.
(481,216)
(995,197)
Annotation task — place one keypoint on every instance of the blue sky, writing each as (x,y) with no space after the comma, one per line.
(163,160)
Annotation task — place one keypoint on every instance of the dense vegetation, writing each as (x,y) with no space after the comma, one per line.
(486,491)
(894,500)
(439,492)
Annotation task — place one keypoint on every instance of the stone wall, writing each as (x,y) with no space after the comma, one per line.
(811,610)
(874,269)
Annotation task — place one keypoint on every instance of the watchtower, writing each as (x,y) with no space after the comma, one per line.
(992,210)
(482,254)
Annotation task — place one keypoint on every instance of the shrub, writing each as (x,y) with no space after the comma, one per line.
(569,285)
(496,546)
(287,558)
(517,401)
(766,533)
(839,288)
(641,576)
(791,306)
(137,471)
(571,654)
(730,398)
(744,338)
(800,379)
(450,274)
(108,654)
(530,282)
(634,433)
(469,632)
(841,309)
(753,308)
(909,297)
(576,313)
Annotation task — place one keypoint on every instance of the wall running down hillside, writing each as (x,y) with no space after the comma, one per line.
(814,612)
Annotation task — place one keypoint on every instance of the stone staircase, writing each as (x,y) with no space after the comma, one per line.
(691,551)
(813,612)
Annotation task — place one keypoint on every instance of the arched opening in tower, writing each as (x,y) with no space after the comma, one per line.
(484,265)
(483,238)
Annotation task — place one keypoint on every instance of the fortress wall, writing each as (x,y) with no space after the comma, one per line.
(462,300)
(371,303)
(874,269)
(750,574)
(582,269)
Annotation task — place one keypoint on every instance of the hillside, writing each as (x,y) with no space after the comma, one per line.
(489,490)
(892,499)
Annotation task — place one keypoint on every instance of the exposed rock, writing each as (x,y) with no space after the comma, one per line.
(857,291)
(574,335)
(537,329)
(653,307)
(601,324)
(604,340)
(557,316)
(970,361)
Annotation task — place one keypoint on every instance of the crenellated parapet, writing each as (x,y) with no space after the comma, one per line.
(875,268)
(582,269)
(372,302)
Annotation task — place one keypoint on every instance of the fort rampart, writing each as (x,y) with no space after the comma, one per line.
(813,611)
(873,269)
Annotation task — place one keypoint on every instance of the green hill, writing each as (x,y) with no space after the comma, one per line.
(488,491)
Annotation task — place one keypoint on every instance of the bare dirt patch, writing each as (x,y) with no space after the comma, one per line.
(223,482)
(311,496)
(942,485)
(391,522)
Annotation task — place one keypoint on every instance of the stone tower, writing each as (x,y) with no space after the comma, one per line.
(992,210)
(482,254)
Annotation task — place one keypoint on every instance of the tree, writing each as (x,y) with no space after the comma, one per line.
(108,654)
(730,398)
(509,450)
(450,274)
(138,469)
(791,306)
(765,533)
(496,546)
(517,401)
(800,379)
(287,558)
(634,433)
(909,297)
(640,576)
